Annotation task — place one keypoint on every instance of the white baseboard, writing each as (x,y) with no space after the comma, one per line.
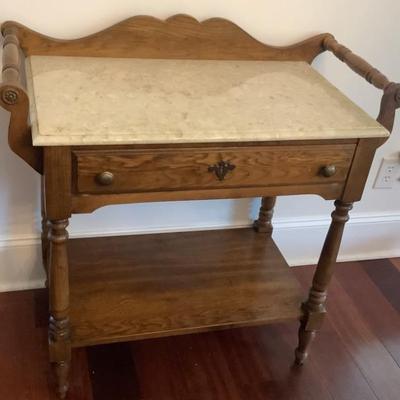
(367,236)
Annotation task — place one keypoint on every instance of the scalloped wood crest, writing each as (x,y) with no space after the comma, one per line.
(179,37)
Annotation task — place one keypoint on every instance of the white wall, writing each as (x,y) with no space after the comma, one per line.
(368,27)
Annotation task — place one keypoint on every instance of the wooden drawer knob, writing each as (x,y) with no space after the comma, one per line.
(105,178)
(328,171)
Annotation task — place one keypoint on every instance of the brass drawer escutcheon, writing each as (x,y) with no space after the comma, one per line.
(221,169)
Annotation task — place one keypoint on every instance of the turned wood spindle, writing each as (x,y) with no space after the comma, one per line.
(45,234)
(59,326)
(314,307)
(356,63)
(264,222)
(391,97)
(14,99)
(11,61)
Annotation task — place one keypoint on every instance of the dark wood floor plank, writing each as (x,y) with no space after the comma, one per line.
(372,304)
(158,371)
(240,364)
(25,372)
(193,367)
(112,372)
(242,346)
(206,370)
(276,345)
(372,358)
(337,370)
(386,278)
(23,350)
(80,382)
(337,367)
(350,360)
(396,262)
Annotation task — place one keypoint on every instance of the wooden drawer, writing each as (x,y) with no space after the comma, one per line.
(153,170)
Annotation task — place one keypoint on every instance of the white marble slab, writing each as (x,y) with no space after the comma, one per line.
(78,101)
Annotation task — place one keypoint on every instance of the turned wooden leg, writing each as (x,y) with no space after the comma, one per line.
(314,308)
(59,327)
(264,222)
(44,236)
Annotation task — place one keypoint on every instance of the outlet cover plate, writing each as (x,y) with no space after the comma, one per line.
(387,173)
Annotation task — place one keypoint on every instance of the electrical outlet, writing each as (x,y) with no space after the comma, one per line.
(387,173)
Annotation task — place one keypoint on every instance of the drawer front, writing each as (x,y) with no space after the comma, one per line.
(154,170)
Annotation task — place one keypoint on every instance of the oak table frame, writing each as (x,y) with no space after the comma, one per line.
(179,37)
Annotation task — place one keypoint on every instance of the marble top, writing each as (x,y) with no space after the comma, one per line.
(89,100)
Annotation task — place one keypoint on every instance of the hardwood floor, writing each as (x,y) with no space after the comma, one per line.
(355,356)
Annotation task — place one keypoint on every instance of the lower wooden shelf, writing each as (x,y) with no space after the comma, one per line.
(143,286)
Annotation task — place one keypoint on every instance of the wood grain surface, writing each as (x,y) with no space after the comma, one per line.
(188,169)
(86,203)
(140,286)
(180,36)
(253,362)
(355,356)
